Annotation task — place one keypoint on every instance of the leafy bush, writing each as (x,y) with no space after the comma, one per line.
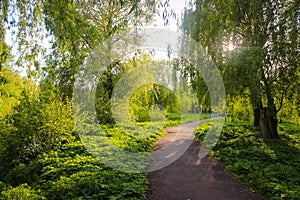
(36,124)
(22,192)
(270,167)
(3,186)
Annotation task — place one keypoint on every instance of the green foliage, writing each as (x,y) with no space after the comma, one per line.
(105,184)
(3,186)
(264,59)
(73,28)
(239,108)
(70,172)
(269,167)
(70,175)
(104,92)
(152,98)
(291,107)
(36,124)
(12,87)
(22,192)
(4,50)
(135,139)
(145,102)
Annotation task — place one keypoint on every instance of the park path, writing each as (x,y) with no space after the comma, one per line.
(192,178)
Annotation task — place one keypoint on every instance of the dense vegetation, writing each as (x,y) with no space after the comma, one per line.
(269,167)
(254,44)
(43,158)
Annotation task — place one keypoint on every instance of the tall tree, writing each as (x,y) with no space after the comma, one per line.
(265,35)
(71,28)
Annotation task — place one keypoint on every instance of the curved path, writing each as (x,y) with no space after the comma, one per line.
(191,178)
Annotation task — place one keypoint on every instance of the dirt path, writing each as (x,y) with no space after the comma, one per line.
(194,179)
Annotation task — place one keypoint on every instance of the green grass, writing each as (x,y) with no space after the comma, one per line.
(269,167)
(176,119)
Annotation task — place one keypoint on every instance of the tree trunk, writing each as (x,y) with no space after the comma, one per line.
(256,117)
(268,123)
(256,105)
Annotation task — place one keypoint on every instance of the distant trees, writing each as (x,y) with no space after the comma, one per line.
(172,96)
(255,44)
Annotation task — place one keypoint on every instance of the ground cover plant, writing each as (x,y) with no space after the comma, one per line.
(269,167)
(69,171)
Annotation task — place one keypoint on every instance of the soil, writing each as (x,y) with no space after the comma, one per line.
(192,178)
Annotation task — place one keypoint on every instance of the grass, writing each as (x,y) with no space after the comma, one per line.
(177,119)
(269,167)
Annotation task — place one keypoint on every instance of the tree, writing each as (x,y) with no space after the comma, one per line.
(143,98)
(265,35)
(72,29)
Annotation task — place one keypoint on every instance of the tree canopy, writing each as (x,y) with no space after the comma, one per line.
(256,45)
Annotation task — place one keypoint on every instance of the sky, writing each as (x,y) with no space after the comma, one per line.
(177,6)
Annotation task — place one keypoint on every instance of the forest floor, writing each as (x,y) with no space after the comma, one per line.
(192,178)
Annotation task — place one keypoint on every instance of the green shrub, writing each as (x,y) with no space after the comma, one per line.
(36,124)
(22,192)
(3,186)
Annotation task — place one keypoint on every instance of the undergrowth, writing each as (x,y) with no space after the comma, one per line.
(269,167)
(71,172)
